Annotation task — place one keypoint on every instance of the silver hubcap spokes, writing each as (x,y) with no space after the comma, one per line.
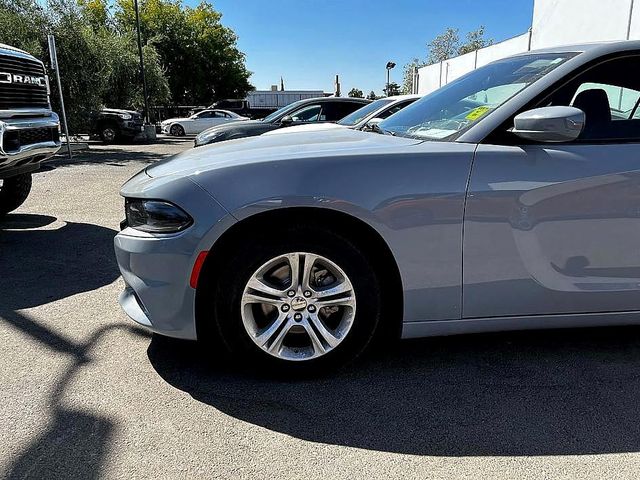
(298,306)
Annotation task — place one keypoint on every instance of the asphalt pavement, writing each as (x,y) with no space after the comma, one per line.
(84,393)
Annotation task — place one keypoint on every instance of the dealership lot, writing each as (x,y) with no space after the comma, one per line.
(86,393)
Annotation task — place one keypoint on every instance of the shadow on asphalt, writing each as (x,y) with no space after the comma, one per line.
(43,266)
(111,156)
(571,392)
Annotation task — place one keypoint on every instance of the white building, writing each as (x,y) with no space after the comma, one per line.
(555,22)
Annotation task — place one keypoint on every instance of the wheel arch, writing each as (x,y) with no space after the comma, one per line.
(179,124)
(360,232)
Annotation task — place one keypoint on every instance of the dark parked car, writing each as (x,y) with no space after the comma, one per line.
(310,110)
(112,124)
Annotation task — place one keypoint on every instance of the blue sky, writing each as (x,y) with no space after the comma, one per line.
(308,42)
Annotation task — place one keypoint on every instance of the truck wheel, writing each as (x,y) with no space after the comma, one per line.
(108,133)
(13,192)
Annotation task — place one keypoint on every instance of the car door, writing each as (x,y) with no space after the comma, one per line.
(196,123)
(555,228)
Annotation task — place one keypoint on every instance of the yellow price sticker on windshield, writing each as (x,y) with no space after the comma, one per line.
(476,113)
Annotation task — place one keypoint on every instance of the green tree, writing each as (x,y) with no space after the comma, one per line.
(443,46)
(372,95)
(448,44)
(23,24)
(356,93)
(124,84)
(407,75)
(200,55)
(392,89)
(475,41)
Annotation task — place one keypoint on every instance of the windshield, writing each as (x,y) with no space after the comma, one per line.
(447,112)
(362,113)
(282,111)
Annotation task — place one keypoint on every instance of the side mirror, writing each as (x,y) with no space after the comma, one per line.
(286,120)
(550,124)
(371,123)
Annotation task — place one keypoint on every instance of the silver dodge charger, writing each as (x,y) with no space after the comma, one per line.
(508,199)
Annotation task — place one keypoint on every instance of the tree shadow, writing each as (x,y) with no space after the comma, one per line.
(111,156)
(41,265)
(44,265)
(569,392)
(73,447)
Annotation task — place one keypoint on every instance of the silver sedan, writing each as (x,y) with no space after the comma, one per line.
(508,199)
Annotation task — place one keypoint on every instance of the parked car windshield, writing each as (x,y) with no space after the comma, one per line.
(447,112)
(360,114)
(282,111)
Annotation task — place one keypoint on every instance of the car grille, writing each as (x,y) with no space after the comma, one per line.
(19,95)
(14,140)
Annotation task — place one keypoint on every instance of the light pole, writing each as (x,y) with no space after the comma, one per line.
(390,65)
(144,80)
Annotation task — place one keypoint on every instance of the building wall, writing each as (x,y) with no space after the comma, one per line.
(555,22)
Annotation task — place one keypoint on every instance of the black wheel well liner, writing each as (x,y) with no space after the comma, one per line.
(358,231)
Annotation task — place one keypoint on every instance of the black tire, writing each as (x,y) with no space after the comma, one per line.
(109,133)
(177,130)
(221,302)
(13,192)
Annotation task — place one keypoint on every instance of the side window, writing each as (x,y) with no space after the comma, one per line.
(609,96)
(309,113)
(206,114)
(332,112)
(622,101)
(396,108)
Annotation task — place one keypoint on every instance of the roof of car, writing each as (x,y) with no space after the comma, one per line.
(601,48)
(335,99)
(398,98)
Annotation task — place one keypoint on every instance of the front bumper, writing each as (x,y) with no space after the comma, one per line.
(25,142)
(156,268)
(132,128)
(156,272)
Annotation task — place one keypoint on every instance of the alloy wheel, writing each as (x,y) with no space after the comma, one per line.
(298,306)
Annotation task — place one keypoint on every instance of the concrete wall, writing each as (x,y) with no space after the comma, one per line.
(555,22)
(564,22)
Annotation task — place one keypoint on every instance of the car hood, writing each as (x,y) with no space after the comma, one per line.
(273,148)
(314,127)
(119,110)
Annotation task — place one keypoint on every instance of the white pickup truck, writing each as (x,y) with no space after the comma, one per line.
(29,129)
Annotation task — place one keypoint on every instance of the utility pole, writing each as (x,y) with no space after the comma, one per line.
(144,80)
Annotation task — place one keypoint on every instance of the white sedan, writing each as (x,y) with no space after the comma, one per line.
(199,122)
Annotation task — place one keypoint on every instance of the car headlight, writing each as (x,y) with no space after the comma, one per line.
(155,216)
(125,116)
